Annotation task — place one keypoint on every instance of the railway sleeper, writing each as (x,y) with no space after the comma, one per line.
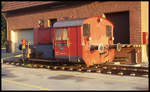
(146,75)
(128,69)
(22,64)
(134,70)
(12,63)
(48,67)
(123,66)
(130,73)
(91,70)
(64,68)
(109,71)
(4,61)
(34,65)
(7,62)
(18,64)
(79,69)
(71,69)
(124,72)
(75,68)
(43,66)
(120,73)
(83,69)
(100,69)
(56,67)
(114,68)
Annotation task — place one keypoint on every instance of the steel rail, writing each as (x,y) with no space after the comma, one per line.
(122,70)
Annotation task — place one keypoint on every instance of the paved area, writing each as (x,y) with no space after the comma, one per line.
(21,78)
(10,56)
(4,54)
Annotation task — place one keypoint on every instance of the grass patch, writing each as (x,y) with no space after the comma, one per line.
(28,65)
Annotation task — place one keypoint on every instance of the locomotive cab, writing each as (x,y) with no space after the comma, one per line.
(97,36)
(68,40)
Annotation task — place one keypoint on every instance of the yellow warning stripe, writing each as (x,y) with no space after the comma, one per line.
(25,84)
(131,45)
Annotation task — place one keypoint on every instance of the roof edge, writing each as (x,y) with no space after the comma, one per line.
(4,9)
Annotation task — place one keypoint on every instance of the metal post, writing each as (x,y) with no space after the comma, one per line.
(134,56)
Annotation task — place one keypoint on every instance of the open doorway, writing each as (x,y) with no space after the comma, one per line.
(121,26)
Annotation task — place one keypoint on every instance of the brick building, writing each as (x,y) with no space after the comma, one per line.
(130,18)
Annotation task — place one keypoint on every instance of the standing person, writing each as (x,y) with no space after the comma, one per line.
(24,48)
(7,46)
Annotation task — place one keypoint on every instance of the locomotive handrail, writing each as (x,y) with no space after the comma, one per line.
(117,46)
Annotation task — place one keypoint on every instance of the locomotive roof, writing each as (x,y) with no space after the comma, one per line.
(75,22)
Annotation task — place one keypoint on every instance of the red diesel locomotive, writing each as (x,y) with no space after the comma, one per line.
(87,40)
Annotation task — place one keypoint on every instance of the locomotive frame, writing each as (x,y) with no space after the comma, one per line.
(68,40)
(87,40)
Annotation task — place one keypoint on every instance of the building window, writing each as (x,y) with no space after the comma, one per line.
(51,22)
(61,34)
(41,23)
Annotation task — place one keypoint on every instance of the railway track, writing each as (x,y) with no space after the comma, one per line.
(121,70)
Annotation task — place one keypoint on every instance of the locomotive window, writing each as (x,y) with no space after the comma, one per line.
(58,34)
(61,34)
(65,34)
(86,29)
(108,30)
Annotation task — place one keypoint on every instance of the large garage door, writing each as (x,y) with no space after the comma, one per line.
(121,26)
(19,35)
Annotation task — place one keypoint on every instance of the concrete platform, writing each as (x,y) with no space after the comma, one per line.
(20,78)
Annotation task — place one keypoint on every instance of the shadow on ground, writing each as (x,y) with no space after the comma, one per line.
(67,77)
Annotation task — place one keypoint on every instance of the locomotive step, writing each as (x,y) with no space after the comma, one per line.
(121,57)
(120,60)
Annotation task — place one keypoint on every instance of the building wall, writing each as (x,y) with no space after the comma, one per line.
(135,8)
(87,10)
(145,28)
(144,16)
